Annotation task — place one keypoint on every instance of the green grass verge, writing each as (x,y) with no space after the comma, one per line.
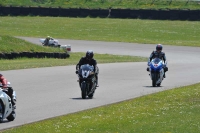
(25,63)
(170,111)
(133,4)
(180,33)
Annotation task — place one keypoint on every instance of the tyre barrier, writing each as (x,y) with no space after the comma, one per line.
(160,14)
(14,55)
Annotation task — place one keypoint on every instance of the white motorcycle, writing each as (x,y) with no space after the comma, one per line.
(6,107)
(52,42)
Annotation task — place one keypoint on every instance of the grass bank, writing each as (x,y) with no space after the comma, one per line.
(180,33)
(133,4)
(171,111)
(11,44)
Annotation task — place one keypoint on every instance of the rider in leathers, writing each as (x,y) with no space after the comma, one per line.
(159,54)
(88,59)
(8,90)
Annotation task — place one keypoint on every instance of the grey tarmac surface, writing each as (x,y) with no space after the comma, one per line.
(44,93)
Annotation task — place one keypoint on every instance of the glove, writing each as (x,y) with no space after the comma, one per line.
(4,86)
(76,72)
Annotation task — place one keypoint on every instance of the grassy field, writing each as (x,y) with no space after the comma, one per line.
(180,33)
(134,4)
(171,111)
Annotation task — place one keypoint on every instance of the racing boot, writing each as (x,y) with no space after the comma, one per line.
(97,85)
(14,100)
(12,95)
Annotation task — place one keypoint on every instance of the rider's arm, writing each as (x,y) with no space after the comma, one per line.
(151,57)
(164,57)
(94,64)
(79,63)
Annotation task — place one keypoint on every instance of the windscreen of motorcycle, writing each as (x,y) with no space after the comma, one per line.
(86,69)
(156,64)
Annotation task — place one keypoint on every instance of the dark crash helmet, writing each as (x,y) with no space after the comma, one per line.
(159,47)
(89,54)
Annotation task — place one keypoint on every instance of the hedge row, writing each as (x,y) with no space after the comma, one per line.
(112,13)
(14,55)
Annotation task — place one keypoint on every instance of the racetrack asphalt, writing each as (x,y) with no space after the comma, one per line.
(48,92)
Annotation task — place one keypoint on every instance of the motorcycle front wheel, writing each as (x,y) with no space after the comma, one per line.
(83,90)
(1,111)
(154,83)
(11,117)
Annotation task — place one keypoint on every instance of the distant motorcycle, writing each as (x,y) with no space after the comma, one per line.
(156,69)
(52,42)
(6,107)
(87,81)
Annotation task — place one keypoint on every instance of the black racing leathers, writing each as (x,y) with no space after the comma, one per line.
(84,60)
(91,62)
(156,54)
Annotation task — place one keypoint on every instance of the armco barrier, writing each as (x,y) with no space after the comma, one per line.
(193,15)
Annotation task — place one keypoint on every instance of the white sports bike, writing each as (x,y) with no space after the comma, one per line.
(52,42)
(6,107)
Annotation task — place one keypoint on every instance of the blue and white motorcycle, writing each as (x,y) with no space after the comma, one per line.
(156,69)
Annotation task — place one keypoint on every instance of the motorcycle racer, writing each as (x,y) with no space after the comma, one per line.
(8,90)
(46,41)
(159,54)
(88,59)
